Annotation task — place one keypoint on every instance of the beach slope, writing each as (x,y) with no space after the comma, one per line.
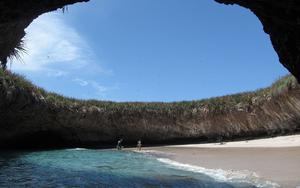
(276,159)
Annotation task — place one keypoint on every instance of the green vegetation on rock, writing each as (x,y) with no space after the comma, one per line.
(31,115)
(215,104)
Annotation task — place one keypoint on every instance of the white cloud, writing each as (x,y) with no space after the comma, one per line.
(56,73)
(55,48)
(100,90)
(81,82)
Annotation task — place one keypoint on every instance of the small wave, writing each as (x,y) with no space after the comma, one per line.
(77,149)
(223,175)
(154,153)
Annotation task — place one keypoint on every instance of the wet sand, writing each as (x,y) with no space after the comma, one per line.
(272,159)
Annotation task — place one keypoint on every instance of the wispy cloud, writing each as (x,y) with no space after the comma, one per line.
(81,82)
(99,89)
(56,50)
(53,46)
(56,73)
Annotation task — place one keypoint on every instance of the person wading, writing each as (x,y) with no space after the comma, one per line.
(139,145)
(119,144)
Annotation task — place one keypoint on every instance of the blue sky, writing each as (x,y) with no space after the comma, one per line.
(149,50)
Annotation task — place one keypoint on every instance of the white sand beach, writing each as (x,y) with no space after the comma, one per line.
(274,142)
(276,159)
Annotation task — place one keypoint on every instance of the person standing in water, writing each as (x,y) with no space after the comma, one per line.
(119,144)
(139,145)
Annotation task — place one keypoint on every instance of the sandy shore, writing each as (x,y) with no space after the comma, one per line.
(276,159)
(274,142)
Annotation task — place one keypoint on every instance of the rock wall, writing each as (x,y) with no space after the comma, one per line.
(29,119)
(281,20)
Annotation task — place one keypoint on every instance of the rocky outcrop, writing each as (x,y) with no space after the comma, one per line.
(281,20)
(31,117)
(16,15)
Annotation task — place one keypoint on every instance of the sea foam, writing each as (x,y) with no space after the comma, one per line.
(223,175)
(77,149)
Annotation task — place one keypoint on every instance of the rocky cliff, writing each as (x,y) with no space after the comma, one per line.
(32,117)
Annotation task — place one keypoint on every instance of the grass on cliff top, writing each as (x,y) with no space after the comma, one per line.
(9,79)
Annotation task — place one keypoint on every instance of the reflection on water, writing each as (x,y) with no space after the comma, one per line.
(98,168)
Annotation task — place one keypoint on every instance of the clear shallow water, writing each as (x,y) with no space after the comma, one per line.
(109,168)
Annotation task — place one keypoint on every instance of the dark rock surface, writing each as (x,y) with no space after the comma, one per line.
(31,119)
(27,119)
(281,20)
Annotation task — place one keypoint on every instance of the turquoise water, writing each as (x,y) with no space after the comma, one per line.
(109,168)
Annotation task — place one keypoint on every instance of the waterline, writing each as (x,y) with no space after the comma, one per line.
(81,167)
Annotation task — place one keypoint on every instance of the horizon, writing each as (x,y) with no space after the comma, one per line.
(132,55)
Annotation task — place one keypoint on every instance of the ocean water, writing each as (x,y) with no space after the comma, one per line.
(110,168)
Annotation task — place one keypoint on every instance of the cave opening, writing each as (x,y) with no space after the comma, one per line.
(129,54)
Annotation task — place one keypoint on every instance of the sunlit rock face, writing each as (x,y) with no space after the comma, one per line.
(281,20)
(16,15)
(33,118)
